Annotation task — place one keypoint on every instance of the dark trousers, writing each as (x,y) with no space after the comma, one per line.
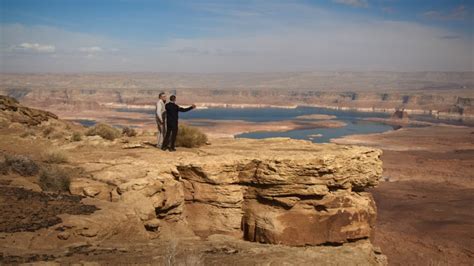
(170,137)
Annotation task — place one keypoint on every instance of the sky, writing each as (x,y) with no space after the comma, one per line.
(236,36)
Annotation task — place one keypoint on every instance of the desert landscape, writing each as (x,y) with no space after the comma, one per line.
(91,199)
(209,132)
(420,180)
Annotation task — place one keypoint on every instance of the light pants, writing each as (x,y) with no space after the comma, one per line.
(161,133)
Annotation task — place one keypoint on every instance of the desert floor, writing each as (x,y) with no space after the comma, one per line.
(425,207)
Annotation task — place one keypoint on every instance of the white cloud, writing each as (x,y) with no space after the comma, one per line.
(458,13)
(354,3)
(91,49)
(35,47)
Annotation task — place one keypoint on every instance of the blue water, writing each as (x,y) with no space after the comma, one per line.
(352,127)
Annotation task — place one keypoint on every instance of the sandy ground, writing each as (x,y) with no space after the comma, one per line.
(425,209)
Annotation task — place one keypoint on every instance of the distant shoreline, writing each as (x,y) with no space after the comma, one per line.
(433,113)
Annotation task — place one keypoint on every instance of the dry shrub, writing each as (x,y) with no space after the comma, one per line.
(4,123)
(76,136)
(55,157)
(190,137)
(21,165)
(4,168)
(57,135)
(28,133)
(48,130)
(103,130)
(55,179)
(129,132)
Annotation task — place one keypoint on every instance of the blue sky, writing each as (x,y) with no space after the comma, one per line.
(235,36)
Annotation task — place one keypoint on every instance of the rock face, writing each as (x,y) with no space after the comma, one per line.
(284,197)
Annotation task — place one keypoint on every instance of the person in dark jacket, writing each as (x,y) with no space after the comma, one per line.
(172,111)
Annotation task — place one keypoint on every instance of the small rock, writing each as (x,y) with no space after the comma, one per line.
(377,250)
(91,191)
(133,146)
(64,235)
(88,232)
(153,225)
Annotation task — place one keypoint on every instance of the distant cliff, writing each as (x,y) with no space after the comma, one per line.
(436,93)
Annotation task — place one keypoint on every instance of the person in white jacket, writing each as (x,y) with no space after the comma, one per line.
(160,116)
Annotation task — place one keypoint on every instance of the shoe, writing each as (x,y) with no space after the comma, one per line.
(164,148)
(172,149)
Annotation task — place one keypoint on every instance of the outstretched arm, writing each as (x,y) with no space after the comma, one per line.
(181,109)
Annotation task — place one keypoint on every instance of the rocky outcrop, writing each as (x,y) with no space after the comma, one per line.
(13,111)
(276,191)
(280,196)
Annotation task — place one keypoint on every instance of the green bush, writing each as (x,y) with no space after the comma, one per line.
(55,179)
(190,137)
(129,132)
(103,130)
(55,157)
(76,136)
(21,165)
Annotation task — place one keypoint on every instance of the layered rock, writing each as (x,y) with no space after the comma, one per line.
(13,111)
(307,197)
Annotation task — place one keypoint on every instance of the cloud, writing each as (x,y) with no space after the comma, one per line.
(35,47)
(458,13)
(354,3)
(91,49)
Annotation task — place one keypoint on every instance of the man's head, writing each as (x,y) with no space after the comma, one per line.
(162,96)
(173,98)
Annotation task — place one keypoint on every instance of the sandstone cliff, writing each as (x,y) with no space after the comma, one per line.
(201,206)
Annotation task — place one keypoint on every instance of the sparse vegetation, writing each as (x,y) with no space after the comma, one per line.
(3,168)
(55,157)
(103,130)
(129,132)
(190,137)
(28,133)
(54,179)
(4,123)
(48,130)
(57,135)
(76,136)
(21,165)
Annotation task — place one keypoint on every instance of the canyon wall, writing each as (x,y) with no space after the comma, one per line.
(437,93)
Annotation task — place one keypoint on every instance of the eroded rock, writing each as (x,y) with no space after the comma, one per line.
(292,198)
